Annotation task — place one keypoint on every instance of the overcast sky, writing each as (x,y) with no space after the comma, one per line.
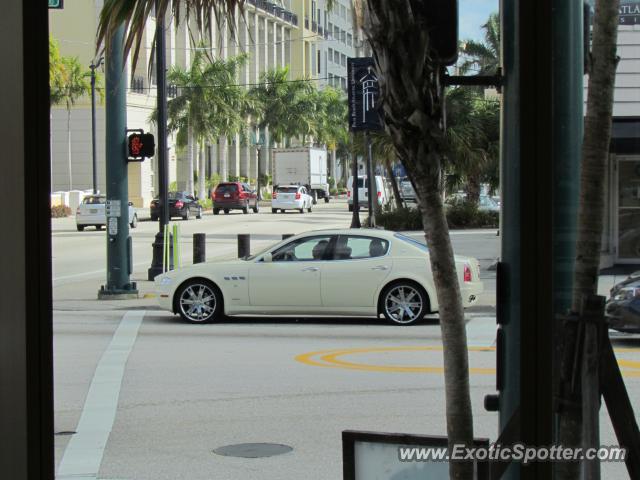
(472,15)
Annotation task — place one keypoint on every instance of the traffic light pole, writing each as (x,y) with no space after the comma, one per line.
(118,241)
(93,67)
(163,179)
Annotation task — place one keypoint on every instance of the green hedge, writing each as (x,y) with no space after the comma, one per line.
(459,215)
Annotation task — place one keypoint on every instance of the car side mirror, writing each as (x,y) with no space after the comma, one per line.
(267,257)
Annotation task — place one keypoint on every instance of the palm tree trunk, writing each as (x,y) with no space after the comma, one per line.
(202,172)
(473,189)
(223,160)
(394,185)
(191,146)
(69,149)
(595,151)
(398,40)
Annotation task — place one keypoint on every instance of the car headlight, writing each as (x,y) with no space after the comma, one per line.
(626,294)
(164,281)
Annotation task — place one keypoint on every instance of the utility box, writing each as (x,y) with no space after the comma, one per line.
(302,166)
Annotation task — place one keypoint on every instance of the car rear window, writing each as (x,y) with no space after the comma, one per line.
(94,200)
(227,188)
(175,195)
(287,189)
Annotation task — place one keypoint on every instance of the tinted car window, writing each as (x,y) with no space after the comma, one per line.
(227,188)
(287,189)
(304,249)
(94,200)
(357,247)
(175,195)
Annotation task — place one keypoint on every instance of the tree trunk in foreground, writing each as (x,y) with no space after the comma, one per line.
(595,152)
(595,149)
(412,100)
(394,185)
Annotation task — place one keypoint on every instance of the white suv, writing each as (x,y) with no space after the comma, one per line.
(363,192)
(291,197)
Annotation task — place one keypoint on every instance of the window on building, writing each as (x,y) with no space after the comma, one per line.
(343,60)
(330,52)
(330,29)
(343,36)
(343,81)
(349,39)
(336,57)
(318,62)
(336,33)
(343,11)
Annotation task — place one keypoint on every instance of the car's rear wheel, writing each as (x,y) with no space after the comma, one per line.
(326,199)
(256,207)
(198,301)
(245,209)
(98,227)
(314,196)
(301,210)
(274,210)
(404,303)
(80,228)
(226,211)
(216,211)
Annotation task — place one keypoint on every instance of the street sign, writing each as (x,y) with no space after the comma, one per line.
(364,95)
(112,208)
(629,13)
(56,4)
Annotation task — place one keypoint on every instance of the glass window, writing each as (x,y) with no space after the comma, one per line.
(330,53)
(287,189)
(349,39)
(356,247)
(175,195)
(227,188)
(303,250)
(94,200)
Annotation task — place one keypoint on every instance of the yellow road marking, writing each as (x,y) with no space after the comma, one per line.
(330,359)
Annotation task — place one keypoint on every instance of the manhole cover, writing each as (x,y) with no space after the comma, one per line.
(253,450)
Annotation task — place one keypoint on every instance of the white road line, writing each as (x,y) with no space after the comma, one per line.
(83,455)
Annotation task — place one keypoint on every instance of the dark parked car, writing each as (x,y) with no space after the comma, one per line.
(181,204)
(234,196)
(623,307)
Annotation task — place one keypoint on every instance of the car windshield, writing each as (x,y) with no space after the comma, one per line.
(227,188)
(287,189)
(94,200)
(412,241)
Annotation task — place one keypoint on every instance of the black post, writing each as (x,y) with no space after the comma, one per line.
(199,247)
(372,195)
(94,155)
(163,180)
(355,218)
(258,148)
(244,247)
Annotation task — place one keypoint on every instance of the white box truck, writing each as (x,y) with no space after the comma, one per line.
(302,166)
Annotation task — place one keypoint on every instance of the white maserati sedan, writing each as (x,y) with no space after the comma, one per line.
(364,272)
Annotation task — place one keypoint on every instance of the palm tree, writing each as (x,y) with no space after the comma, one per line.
(483,57)
(413,104)
(56,73)
(331,121)
(71,83)
(282,106)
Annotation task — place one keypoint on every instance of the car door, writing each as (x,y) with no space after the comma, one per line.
(293,276)
(360,265)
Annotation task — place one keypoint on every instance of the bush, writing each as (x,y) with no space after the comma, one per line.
(60,211)
(206,203)
(459,215)
(332,183)
(342,185)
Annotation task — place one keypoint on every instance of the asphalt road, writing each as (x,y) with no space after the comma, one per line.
(149,397)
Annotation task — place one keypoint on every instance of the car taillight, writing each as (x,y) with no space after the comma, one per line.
(298,196)
(467,273)
(348,193)
(179,204)
(379,194)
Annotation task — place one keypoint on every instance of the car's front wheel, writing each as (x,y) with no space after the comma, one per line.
(404,303)
(80,228)
(198,301)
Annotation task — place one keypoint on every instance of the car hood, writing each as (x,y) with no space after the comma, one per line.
(632,281)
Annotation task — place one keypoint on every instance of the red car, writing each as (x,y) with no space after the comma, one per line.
(234,196)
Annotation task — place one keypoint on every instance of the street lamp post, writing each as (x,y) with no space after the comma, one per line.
(93,67)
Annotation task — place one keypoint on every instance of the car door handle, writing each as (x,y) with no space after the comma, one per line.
(310,269)
(380,267)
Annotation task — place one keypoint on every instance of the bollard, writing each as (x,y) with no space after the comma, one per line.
(244,248)
(287,235)
(199,247)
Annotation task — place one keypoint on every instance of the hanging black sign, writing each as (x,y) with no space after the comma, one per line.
(629,13)
(364,95)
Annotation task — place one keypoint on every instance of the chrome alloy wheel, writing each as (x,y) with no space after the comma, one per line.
(197,302)
(403,304)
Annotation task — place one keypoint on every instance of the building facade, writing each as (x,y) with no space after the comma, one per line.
(272,34)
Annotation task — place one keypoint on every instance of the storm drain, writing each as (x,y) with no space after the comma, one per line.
(253,450)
